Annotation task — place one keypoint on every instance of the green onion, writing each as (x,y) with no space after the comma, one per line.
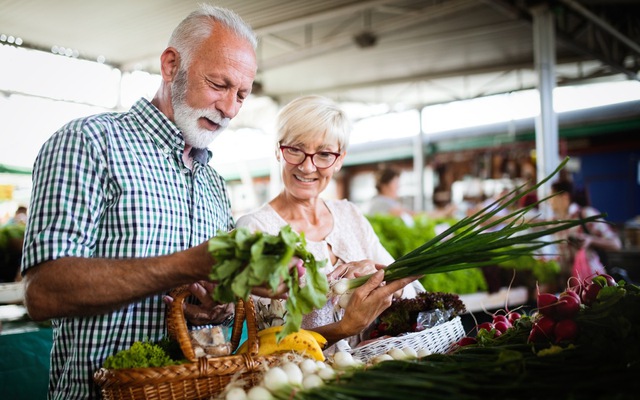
(471,243)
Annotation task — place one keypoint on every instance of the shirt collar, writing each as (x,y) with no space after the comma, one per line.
(163,131)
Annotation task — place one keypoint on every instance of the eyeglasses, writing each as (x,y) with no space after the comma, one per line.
(321,159)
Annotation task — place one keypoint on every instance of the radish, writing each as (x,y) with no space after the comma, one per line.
(501,326)
(590,293)
(609,281)
(488,326)
(547,303)
(566,329)
(466,341)
(568,306)
(501,318)
(513,317)
(542,329)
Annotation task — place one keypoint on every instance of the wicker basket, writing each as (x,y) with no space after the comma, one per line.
(438,339)
(201,378)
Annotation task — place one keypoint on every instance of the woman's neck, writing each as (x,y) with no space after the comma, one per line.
(310,216)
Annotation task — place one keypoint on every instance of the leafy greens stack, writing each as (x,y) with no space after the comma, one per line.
(245,260)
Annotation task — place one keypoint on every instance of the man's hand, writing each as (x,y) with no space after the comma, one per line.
(282,290)
(207,311)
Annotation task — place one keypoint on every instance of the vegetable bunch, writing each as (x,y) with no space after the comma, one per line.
(602,362)
(472,242)
(141,355)
(244,260)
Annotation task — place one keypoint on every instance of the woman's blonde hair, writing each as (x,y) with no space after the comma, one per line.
(304,118)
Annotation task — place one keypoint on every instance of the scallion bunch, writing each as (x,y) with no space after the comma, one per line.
(474,242)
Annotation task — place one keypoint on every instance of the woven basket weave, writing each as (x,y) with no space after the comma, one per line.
(200,378)
(438,339)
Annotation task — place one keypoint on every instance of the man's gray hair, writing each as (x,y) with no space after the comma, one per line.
(197,26)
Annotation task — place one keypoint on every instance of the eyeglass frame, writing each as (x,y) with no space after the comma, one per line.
(311,155)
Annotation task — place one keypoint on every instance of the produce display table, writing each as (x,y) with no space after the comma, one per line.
(511,297)
(24,360)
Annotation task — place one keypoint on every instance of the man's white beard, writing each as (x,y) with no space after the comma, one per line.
(186,118)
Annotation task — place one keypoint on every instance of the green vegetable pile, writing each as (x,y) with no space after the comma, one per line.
(142,355)
(398,239)
(603,363)
(245,260)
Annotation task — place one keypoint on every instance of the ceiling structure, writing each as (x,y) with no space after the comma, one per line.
(403,53)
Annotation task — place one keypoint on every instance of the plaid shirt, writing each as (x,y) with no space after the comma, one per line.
(114,186)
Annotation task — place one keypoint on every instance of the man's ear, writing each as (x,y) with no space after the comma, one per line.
(169,63)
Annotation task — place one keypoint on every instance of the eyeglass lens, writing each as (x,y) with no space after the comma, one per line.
(320,159)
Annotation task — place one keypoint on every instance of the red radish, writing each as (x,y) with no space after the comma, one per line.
(605,280)
(546,326)
(536,335)
(567,306)
(590,293)
(566,329)
(501,318)
(488,326)
(501,326)
(542,330)
(547,303)
(465,341)
(570,293)
(610,280)
(513,317)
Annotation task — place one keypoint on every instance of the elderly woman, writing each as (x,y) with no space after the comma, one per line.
(312,137)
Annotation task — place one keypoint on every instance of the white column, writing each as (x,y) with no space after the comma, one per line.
(547,153)
(418,167)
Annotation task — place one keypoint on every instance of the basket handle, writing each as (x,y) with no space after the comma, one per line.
(177,324)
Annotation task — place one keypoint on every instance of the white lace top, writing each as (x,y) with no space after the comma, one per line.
(352,239)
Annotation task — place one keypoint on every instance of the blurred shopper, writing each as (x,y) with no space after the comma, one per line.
(11,239)
(387,201)
(578,253)
(123,205)
(312,137)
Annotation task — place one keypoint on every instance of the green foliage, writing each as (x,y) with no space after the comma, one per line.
(544,271)
(463,281)
(140,355)
(8,232)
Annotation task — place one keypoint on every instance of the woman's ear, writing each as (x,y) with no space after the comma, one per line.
(338,165)
(277,154)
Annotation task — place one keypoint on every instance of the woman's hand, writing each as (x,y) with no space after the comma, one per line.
(369,301)
(354,269)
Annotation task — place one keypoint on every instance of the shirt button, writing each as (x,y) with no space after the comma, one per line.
(185,171)
(166,150)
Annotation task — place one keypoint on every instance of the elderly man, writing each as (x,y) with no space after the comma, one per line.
(123,205)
